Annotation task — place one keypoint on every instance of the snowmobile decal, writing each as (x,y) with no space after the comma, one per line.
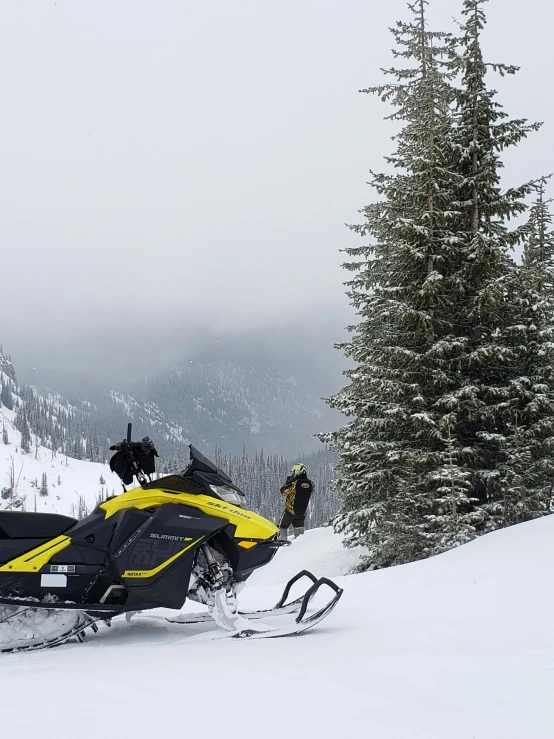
(63,568)
(34,560)
(156,570)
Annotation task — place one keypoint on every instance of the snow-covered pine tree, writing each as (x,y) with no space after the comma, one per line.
(538,252)
(528,474)
(435,392)
(25,432)
(393,453)
(44,485)
(5,438)
(453,515)
(7,398)
(488,396)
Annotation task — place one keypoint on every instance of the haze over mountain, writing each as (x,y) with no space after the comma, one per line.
(229,394)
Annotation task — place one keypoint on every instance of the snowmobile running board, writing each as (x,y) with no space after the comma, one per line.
(61,605)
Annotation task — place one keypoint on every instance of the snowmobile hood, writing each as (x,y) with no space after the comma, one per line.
(249,525)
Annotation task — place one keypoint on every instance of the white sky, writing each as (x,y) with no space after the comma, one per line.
(166,158)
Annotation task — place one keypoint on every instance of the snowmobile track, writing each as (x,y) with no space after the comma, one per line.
(78,630)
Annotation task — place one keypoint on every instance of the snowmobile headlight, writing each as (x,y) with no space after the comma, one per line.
(228,495)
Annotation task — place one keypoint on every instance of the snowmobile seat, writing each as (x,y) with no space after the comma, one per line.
(16,525)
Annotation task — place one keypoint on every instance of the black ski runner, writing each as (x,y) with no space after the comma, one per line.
(265,631)
(281,608)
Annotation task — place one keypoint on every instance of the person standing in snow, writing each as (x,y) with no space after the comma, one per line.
(298,489)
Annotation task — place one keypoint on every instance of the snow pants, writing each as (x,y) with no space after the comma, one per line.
(296,519)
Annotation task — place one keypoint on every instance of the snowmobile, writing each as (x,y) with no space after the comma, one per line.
(181,536)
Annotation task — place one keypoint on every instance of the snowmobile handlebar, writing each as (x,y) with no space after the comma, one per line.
(146,444)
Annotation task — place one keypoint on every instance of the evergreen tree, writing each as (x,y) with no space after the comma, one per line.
(434,393)
(44,485)
(528,474)
(25,434)
(485,403)
(77,451)
(5,434)
(393,449)
(6,396)
(453,515)
(538,252)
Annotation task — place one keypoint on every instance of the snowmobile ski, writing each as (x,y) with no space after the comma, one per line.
(281,608)
(299,625)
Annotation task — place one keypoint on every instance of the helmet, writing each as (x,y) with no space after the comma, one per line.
(298,470)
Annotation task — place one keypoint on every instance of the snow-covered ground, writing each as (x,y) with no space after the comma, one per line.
(458,646)
(67,478)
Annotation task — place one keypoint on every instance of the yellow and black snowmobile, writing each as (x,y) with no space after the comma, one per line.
(181,536)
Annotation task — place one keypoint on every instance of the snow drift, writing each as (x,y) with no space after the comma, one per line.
(460,645)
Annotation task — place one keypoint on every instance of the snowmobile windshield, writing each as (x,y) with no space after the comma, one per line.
(212,479)
(200,463)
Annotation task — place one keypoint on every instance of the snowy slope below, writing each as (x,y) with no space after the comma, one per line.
(319,550)
(67,478)
(458,646)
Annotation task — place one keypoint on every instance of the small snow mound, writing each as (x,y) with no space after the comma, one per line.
(319,550)
(503,556)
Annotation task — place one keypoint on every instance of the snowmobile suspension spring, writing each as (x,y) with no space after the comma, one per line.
(214,570)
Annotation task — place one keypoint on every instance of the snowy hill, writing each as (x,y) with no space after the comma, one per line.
(71,483)
(459,646)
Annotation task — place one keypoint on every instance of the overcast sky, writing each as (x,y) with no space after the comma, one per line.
(169,160)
